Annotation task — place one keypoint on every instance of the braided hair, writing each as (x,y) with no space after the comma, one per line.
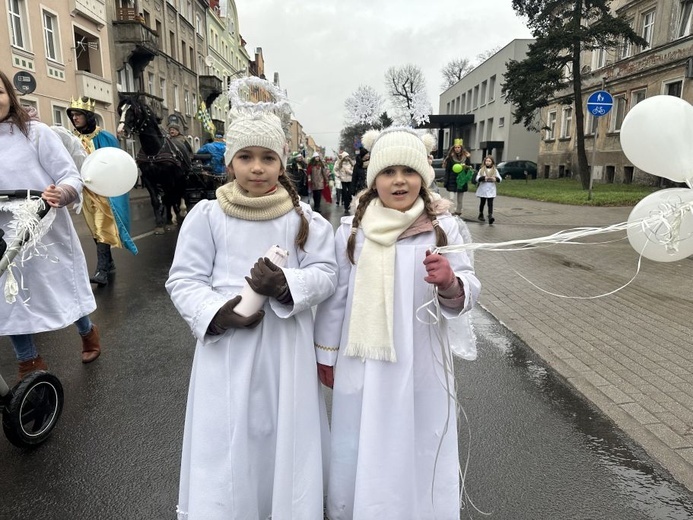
(302,235)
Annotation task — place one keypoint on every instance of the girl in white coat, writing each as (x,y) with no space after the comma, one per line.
(255,415)
(486,180)
(394,443)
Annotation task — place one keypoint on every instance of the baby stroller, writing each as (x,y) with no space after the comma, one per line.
(31,409)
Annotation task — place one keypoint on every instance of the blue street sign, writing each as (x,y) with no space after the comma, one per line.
(599,103)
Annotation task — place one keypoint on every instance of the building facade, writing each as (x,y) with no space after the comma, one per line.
(66,48)
(630,74)
(488,128)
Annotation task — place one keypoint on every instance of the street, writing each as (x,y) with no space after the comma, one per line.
(538,449)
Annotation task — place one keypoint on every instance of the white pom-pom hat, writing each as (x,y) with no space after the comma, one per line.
(398,146)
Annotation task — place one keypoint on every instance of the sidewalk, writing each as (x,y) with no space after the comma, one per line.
(630,353)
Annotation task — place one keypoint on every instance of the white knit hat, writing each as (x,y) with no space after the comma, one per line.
(262,129)
(398,146)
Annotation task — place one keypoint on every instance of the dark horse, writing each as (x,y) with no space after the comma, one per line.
(164,163)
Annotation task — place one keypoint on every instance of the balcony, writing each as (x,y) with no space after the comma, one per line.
(210,88)
(94,10)
(94,87)
(135,43)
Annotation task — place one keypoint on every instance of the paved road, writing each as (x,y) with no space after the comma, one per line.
(630,353)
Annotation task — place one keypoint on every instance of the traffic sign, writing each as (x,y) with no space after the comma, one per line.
(600,103)
(24,82)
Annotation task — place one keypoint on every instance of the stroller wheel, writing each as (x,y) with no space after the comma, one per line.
(33,411)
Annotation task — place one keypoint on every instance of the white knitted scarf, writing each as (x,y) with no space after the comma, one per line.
(371,323)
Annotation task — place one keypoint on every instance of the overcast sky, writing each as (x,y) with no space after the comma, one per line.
(324,49)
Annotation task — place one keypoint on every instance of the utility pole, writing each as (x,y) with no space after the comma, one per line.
(594,147)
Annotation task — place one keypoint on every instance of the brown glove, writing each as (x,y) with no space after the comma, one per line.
(268,279)
(225,319)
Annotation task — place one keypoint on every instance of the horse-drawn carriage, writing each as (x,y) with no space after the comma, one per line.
(168,173)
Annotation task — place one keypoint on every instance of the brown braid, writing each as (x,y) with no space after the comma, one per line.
(366,197)
(365,200)
(302,235)
(441,236)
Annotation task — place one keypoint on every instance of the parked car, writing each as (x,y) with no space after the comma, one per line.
(438,169)
(517,169)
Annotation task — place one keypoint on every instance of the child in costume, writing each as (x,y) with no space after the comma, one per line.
(394,438)
(486,180)
(252,438)
(456,155)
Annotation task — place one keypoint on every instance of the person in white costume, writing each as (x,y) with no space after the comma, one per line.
(55,281)
(255,414)
(393,449)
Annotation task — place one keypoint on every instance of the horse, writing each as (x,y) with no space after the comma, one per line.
(164,163)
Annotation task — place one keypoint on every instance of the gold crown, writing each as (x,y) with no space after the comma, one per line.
(83,103)
(458,142)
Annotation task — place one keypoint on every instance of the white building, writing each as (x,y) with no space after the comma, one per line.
(474,110)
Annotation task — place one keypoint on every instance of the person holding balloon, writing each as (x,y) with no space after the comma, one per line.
(55,277)
(108,218)
(457,155)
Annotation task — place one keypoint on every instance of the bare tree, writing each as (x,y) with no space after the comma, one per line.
(363,106)
(454,71)
(483,56)
(403,84)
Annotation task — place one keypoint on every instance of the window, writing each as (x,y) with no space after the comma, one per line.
(191,63)
(674,88)
(176,106)
(480,131)
(59,116)
(590,124)
(489,129)
(648,20)
(447,108)
(18,18)
(87,52)
(147,18)
(685,18)
(475,100)
(618,112)
(150,83)
(183,53)
(463,103)
(501,122)
(598,58)
(625,50)
(162,91)
(492,88)
(636,96)
(186,102)
(158,28)
(172,44)
(482,99)
(198,24)
(566,122)
(126,79)
(551,126)
(50,33)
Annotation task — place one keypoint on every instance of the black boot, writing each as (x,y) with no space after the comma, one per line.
(481,217)
(491,220)
(103,264)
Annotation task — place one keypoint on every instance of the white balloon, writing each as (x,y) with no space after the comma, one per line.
(656,137)
(662,225)
(109,172)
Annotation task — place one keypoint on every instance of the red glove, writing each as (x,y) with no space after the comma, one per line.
(439,271)
(326,375)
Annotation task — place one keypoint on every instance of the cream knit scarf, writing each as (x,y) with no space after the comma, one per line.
(235,202)
(371,323)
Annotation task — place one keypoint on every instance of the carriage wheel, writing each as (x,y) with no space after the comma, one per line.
(33,411)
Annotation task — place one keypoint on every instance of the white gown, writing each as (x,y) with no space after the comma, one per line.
(391,420)
(252,439)
(55,284)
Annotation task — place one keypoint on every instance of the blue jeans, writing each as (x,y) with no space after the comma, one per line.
(25,349)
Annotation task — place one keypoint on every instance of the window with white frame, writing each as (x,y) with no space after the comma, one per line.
(625,50)
(50,35)
(636,96)
(186,102)
(590,124)
(16,10)
(551,126)
(482,98)
(686,18)
(126,79)
(648,21)
(618,112)
(162,91)
(566,122)
(150,83)
(198,24)
(491,88)
(598,58)
(501,122)
(59,115)
(176,106)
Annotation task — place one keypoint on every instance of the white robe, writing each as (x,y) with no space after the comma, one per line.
(57,283)
(252,439)
(388,419)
